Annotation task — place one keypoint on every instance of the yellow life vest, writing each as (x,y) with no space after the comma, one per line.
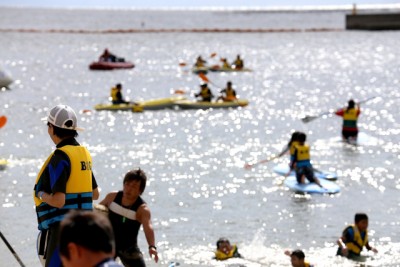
(205,92)
(230,94)
(356,245)
(79,191)
(293,147)
(114,92)
(219,255)
(350,114)
(238,63)
(303,152)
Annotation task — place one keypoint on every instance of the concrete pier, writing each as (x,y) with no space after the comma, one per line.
(377,22)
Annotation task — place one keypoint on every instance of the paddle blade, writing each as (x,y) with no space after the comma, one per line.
(248,166)
(307,119)
(3,121)
(179,92)
(213,55)
(203,77)
(182,64)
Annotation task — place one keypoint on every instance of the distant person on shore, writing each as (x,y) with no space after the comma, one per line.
(355,237)
(127,212)
(205,93)
(200,62)
(297,258)
(225,250)
(228,94)
(116,95)
(107,56)
(350,117)
(238,63)
(300,161)
(87,239)
(64,182)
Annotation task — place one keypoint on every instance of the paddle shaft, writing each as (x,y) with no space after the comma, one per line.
(311,118)
(12,250)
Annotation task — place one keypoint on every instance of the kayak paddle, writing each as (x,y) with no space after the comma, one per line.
(248,166)
(3,121)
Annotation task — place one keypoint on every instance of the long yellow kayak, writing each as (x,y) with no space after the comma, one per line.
(152,104)
(187,104)
(3,164)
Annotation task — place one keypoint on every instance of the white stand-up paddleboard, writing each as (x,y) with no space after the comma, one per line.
(283,169)
(312,188)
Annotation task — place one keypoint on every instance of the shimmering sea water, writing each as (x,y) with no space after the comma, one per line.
(198,189)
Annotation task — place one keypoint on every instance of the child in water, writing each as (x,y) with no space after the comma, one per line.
(355,237)
(225,250)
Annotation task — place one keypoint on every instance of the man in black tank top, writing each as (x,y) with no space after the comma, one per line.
(127,211)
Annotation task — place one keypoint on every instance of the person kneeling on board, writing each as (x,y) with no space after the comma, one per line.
(300,162)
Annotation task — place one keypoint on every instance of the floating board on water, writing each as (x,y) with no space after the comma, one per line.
(283,169)
(152,104)
(312,188)
(3,164)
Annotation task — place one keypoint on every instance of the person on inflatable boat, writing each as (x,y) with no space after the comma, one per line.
(354,238)
(297,258)
(225,250)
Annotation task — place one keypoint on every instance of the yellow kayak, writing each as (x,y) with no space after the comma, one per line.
(152,104)
(3,164)
(187,104)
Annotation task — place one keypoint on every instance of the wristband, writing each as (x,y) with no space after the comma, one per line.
(40,195)
(150,247)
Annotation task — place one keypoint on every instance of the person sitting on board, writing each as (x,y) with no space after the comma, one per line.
(225,64)
(205,93)
(200,62)
(297,258)
(238,63)
(225,250)
(354,238)
(291,145)
(300,162)
(350,117)
(228,94)
(116,95)
(107,56)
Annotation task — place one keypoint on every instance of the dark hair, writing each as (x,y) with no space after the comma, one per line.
(87,229)
(351,104)
(136,175)
(119,86)
(301,137)
(298,254)
(359,217)
(294,137)
(222,240)
(63,133)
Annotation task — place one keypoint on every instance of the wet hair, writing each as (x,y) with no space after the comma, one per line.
(222,240)
(351,104)
(136,175)
(359,217)
(298,254)
(88,229)
(64,133)
(301,137)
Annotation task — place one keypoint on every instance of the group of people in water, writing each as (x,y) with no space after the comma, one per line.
(350,244)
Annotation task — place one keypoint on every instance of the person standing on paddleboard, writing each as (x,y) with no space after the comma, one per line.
(127,211)
(300,161)
(350,117)
(64,182)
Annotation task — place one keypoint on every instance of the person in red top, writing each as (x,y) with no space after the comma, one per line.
(350,117)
